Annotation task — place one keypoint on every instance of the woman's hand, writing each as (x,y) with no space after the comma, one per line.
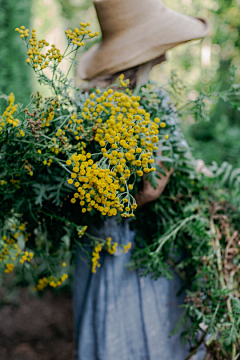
(149,193)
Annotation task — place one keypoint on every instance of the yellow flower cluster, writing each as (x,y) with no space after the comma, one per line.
(23,32)
(27,256)
(75,127)
(35,58)
(122,82)
(126,137)
(27,236)
(126,127)
(81,231)
(10,241)
(9,247)
(96,187)
(9,268)
(15,183)
(42,283)
(96,257)
(7,116)
(5,252)
(22,227)
(9,250)
(48,163)
(127,247)
(110,247)
(21,133)
(76,36)
(51,281)
(51,106)
(47,118)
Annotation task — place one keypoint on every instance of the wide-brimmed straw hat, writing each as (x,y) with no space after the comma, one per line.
(135,32)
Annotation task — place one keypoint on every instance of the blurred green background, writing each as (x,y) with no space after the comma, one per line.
(198,63)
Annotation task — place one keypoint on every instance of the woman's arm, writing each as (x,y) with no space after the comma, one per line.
(149,193)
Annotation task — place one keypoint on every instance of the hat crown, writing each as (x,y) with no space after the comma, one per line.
(129,13)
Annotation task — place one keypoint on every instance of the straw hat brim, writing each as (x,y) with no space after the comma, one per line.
(141,43)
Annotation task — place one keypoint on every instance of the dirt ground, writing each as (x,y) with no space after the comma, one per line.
(37,328)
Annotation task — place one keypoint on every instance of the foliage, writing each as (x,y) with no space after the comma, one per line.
(217,140)
(14,77)
(193,228)
(215,136)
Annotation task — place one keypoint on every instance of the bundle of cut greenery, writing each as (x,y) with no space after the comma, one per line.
(193,229)
(67,158)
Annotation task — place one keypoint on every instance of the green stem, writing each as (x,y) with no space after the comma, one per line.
(213,336)
(47,137)
(67,117)
(234,353)
(59,218)
(65,51)
(72,62)
(196,348)
(94,237)
(163,240)
(71,52)
(58,162)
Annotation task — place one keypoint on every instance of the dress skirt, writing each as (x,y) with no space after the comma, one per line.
(120,315)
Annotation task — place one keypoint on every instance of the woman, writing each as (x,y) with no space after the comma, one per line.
(118,314)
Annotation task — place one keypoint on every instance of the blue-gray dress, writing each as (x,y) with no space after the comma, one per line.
(120,315)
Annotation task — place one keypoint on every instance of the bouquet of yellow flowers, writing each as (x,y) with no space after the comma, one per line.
(74,158)
(67,158)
